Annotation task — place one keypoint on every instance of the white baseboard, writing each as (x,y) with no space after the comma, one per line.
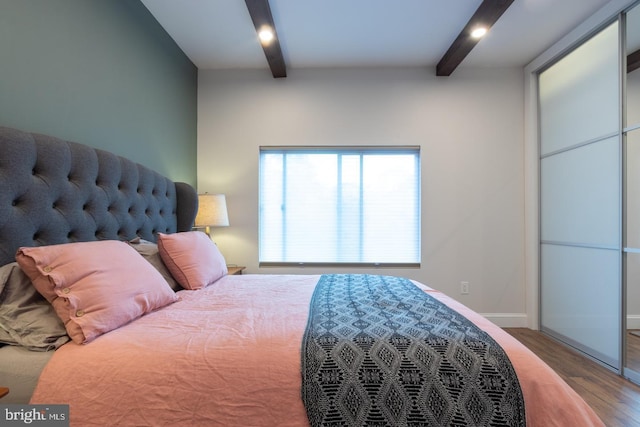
(509,320)
(633,321)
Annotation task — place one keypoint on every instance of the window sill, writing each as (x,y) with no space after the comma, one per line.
(341,264)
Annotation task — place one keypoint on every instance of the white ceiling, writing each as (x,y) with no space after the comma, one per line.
(219,34)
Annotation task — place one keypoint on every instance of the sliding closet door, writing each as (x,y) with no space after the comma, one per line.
(580,172)
(631,260)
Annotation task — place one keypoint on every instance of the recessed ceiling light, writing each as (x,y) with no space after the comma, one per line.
(478,32)
(266,35)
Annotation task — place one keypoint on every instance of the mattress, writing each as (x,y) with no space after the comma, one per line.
(230,354)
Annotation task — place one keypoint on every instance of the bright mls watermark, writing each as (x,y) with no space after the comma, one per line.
(34,415)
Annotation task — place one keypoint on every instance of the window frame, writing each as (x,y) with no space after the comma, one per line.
(345,150)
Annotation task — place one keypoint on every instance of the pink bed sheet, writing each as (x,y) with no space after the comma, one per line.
(229,355)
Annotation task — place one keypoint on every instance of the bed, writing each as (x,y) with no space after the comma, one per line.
(111,304)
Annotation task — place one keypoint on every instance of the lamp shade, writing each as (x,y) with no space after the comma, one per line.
(212,211)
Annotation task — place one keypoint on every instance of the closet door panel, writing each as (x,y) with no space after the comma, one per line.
(579,95)
(581,298)
(577,201)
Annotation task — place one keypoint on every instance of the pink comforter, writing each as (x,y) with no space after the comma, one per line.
(230,355)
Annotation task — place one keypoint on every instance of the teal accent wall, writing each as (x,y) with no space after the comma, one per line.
(103,73)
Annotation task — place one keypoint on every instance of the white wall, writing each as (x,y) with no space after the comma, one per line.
(470,128)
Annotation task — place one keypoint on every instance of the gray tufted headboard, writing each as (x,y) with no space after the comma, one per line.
(54,191)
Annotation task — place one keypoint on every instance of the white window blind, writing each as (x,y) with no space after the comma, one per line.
(339,205)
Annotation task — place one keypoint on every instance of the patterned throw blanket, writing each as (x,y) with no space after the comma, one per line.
(378,351)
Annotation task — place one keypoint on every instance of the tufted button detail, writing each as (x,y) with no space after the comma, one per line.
(47,269)
(66,291)
(79,313)
(14,203)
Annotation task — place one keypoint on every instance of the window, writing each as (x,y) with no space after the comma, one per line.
(339,205)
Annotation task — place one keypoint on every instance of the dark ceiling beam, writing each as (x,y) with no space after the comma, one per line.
(633,61)
(487,14)
(261,16)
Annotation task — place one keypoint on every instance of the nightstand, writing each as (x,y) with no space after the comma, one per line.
(4,391)
(236,270)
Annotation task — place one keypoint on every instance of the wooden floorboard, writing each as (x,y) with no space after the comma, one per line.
(615,399)
(633,349)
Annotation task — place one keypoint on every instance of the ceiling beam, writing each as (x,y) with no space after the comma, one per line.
(633,61)
(261,16)
(487,14)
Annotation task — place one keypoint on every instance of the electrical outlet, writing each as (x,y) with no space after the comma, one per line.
(464,288)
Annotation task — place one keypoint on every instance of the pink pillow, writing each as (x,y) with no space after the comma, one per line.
(192,258)
(95,287)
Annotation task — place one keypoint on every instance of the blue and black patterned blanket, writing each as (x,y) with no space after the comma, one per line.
(378,351)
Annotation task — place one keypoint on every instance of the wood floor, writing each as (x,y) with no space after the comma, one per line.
(615,399)
(633,350)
